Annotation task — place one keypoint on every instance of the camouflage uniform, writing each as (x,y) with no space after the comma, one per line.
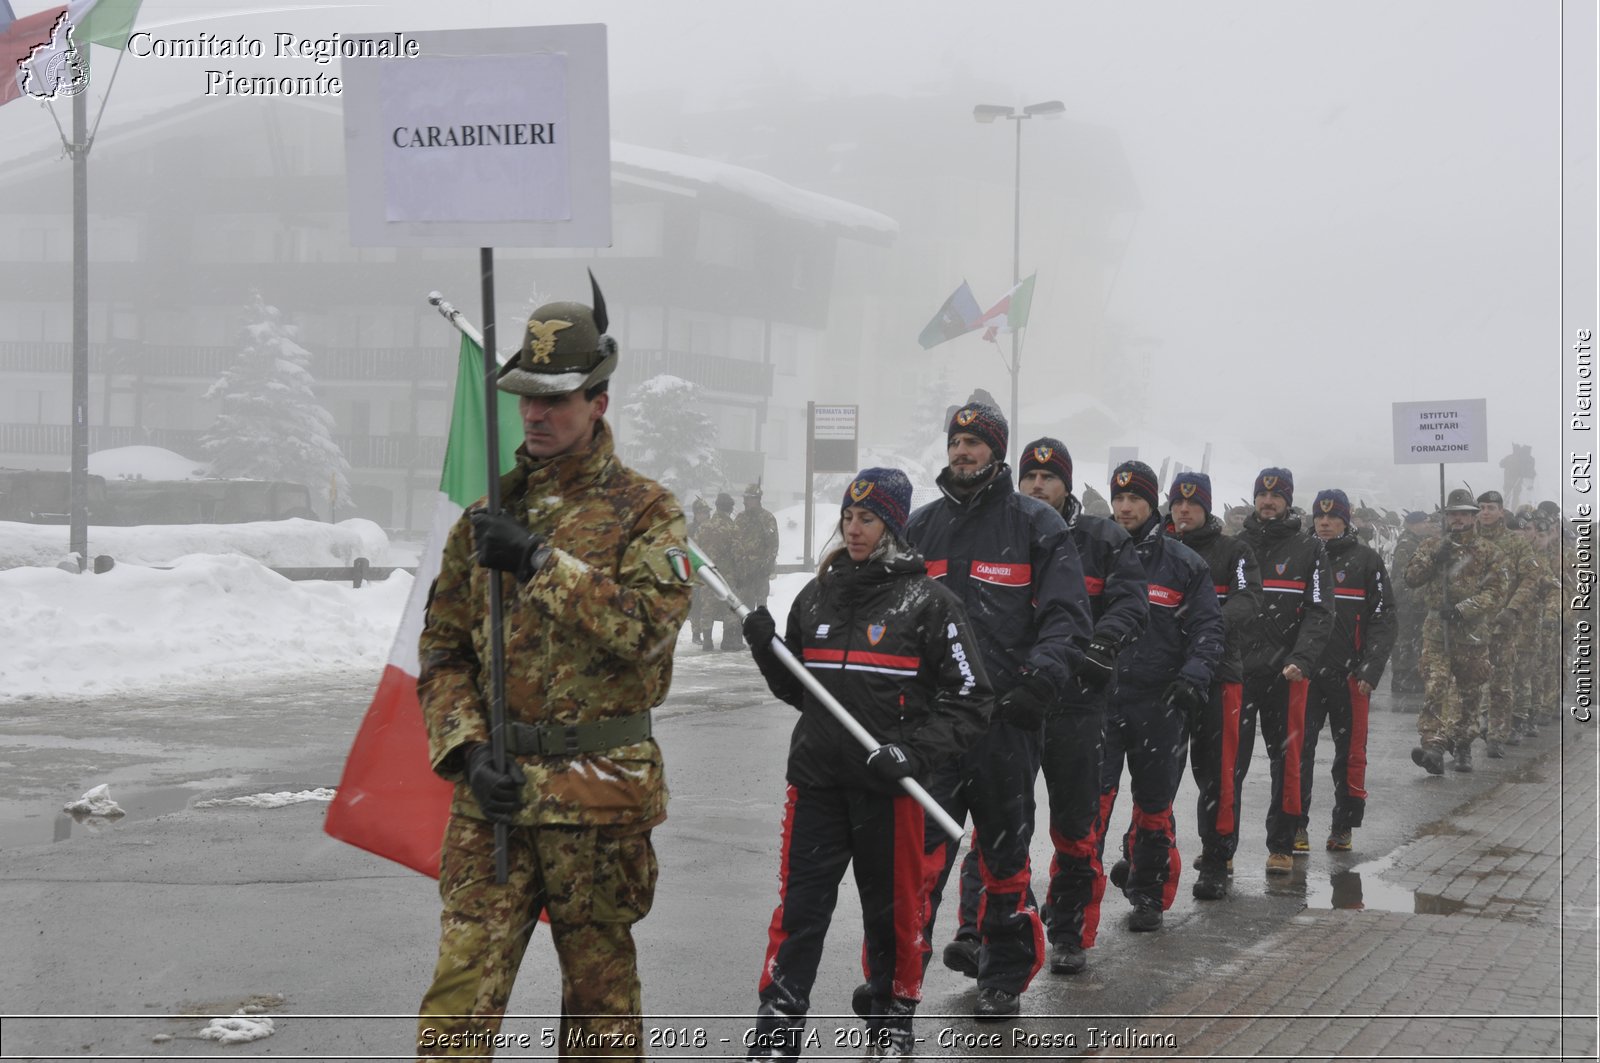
(715,539)
(1552,668)
(1508,645)
(755,549)
(1532,660)
(701,614)
(588,638)
(1404,674)
(1451,681)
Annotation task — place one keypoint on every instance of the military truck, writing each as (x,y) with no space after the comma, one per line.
(37,496)
(44,496)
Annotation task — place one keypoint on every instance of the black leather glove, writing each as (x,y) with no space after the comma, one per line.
(499,793)
(892,761)
(759,628)
(1099,663)
(1451,614)
(1023,706)
(1186,699)
(505,545)
(1442,553)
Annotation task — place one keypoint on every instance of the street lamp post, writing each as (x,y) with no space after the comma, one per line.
(988,112)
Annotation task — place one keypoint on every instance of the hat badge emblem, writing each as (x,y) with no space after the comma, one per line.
(544,337)
(1124,478)
(861,489)
(1186,490)
(966,417)
(1043,453)
(1269,482)
(1327,505)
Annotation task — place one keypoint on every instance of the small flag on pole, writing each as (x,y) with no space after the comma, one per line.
(389,801)
(958,316)
(1011,312)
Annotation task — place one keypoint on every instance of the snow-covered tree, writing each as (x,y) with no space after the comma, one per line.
(270,426)
(670,439)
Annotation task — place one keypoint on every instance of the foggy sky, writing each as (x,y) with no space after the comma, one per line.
(1343,205)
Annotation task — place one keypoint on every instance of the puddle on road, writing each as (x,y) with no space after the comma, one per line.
(1346,890)
(36,828)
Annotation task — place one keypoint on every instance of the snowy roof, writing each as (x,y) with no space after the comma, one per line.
(785,199)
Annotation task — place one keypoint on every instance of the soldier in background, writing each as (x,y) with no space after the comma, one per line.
(715,539)
(700,613)
(755,551)
(592,558)
(1452,677)
(1405,674)
(1550,671)
(1507,646)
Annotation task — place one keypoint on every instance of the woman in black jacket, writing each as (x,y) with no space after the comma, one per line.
(893,647)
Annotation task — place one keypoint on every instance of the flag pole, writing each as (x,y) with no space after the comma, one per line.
(497,650)
(713,579)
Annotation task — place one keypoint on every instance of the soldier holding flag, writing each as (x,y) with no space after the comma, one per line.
(592,558)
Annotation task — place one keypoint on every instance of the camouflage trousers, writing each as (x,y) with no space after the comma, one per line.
(1451,685)
(1548,671)
(593,883)
(1405,675)
(1506,695)
(706,610)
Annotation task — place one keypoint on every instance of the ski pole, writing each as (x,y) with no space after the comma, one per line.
(713,579)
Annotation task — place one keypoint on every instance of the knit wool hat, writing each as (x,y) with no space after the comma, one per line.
(885,492)
(1332,503)
(1047,454)
(1416,516)
(1138,478)
(1191,487)
(1279,481)
(984,421)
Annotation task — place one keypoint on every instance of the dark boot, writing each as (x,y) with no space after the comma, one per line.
(889,1032)
(1463,750)
(961,955)
(1428,758)
(1212,885)
(996,1005)
(776,1034)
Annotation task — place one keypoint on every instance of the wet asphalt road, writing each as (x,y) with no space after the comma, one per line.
(175,912)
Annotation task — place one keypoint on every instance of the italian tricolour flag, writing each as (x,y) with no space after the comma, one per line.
(389,801)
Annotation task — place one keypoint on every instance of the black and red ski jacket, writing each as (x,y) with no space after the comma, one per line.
(894,648)
(1237,580)
(1297,597)
(1114,579)
(1184,637)
(1011,562)
(1364,626)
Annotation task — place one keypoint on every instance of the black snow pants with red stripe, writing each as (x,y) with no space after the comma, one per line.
(1214,756)
(1153,738)
(1073,738)
(994,780)
(1282,709)
(881,836)
(1336,700)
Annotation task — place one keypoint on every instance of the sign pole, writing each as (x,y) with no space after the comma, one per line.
(811,503)
(1444,569)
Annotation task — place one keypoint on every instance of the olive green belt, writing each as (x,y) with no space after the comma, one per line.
(569,740)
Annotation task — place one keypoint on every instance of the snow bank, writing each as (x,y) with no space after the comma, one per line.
(274,543)
(279,799)
(208,618)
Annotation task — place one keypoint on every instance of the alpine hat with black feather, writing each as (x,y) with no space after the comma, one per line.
(564,349)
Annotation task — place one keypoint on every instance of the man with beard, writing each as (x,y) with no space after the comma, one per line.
(1463,581)
(1351,665)
(1114,580)
(1214,742)
(1163,682)
(1286,644)
(1011,561)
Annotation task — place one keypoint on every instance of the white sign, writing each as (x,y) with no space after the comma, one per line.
(477,139)
(488,138)
(1433,433)
(834,422)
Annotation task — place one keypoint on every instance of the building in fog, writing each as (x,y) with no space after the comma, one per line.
(719,274)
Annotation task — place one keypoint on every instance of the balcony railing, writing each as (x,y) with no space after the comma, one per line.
(710,371)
